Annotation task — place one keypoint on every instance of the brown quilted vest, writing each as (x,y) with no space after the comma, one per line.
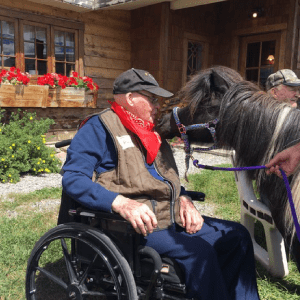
(132,179)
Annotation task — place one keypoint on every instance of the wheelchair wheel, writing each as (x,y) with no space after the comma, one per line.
(76,261)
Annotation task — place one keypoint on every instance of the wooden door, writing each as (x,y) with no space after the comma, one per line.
(259,57)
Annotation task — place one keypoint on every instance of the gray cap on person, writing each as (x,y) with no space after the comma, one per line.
(285,76)
(134,80)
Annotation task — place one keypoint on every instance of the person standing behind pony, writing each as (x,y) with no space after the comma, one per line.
(284,86)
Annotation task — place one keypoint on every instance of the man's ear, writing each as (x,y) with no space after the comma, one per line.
(129,97)
(274,92)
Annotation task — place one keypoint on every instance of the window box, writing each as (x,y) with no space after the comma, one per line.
(71,97)
(23,95)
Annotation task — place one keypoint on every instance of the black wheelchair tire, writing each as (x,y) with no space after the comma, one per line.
(100,245)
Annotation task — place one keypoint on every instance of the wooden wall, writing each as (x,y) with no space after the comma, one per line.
(107,53)
(158,35)
(234,22)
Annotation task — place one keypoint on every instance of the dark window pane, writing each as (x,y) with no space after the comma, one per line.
(1,46)
(42,67)
(70,68)
(194,59)
(268,48)
(70,56)
(41,34)
(59,38)
(8,29)
(59,68)
(70,39)
(253,50)
(9,61)
(252,75)
(30,66)
(29,50)
(41,51)
(8,47)
(59,53)
(0,61)
(29,33)
(264,74)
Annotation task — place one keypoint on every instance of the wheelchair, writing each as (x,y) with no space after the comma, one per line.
(97,255)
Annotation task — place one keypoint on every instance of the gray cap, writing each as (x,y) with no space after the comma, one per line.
(134,80)
(285,76)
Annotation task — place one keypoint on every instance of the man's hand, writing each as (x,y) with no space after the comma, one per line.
(287,160)
(140,216)
(189,215)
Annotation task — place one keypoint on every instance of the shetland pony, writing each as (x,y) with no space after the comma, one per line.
(252,123)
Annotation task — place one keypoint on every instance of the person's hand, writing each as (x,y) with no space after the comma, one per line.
(189,215)
(140,216)
(288,160)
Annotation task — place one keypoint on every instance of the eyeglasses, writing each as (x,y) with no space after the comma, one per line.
(151,98)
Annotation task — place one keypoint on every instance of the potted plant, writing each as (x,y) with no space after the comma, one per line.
(73,91)
(15,90)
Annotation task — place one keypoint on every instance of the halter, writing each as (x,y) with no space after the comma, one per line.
(183,133)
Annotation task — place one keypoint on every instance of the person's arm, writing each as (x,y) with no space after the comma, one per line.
(89,150)
(288,160)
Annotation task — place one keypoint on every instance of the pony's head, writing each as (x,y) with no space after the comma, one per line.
(203,93)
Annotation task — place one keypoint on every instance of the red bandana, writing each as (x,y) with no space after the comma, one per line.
(143,129)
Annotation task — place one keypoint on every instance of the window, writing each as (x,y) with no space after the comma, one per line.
(195,54)
(7,44)
(259,57)
(194,59)
(39,47)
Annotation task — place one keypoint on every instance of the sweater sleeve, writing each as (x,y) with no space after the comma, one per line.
(91,149)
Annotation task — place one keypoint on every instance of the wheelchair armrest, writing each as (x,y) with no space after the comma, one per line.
(196,196)
(110,221)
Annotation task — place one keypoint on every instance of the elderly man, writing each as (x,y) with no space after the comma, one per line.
(118,163)
(284,86)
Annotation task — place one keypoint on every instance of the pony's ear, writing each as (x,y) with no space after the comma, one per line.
(218,83)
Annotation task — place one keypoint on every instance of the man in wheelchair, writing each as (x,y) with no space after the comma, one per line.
(117,163)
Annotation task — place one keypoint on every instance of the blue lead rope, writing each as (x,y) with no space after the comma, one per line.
(285,179)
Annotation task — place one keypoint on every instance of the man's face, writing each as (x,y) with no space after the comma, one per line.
(143,105)
(287,94)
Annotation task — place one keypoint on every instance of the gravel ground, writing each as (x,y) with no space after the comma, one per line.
(31,183)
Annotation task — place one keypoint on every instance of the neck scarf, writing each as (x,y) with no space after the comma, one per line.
(143,129)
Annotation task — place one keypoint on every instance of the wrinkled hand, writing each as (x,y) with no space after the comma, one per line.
(189,215)
(142,219)
(288,160)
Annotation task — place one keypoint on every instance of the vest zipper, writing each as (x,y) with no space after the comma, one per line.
(171,187)
(154,204)
(173,193)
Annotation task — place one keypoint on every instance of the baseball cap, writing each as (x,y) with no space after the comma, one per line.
(134,80)
(285,76)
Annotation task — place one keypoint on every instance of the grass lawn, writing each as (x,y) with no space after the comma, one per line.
(18,235)
(221,190)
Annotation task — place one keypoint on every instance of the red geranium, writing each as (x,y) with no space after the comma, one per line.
(82,82)
(14,76)
(53,80)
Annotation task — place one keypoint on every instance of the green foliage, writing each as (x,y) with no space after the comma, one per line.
(22,147)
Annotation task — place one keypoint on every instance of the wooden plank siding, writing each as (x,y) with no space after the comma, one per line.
(105,53)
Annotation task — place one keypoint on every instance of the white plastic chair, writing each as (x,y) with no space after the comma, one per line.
(274,260)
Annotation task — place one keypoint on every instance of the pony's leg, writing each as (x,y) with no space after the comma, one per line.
(296,251)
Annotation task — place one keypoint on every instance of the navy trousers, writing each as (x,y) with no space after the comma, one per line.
(218,260)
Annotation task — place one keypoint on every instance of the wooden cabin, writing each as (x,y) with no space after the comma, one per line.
(171,39)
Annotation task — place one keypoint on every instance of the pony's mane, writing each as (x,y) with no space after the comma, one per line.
(257,127)
(208,89)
